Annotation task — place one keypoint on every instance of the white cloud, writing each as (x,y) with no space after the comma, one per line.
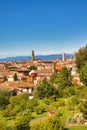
(37,52)
(11,54)
(3,55)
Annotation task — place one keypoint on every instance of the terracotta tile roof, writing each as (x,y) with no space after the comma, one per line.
(41,79)
(45,61)
(24,69)
(58,59)
(24,84)
(44,75)
(15,85)
(44,71)
(59,67)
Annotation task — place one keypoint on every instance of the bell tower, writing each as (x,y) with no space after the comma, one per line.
(63,56)
(32,55)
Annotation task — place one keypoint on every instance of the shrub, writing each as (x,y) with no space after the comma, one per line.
(3,102)
(40,109)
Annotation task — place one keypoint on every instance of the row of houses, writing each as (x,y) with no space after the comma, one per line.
(29,78)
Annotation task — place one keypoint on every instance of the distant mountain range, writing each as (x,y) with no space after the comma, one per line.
(43,57)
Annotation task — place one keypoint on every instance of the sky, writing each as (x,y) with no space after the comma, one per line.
(45,26)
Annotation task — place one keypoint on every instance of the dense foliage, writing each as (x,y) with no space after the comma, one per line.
(83,74)
(33,67)
(5,79)
(15,77)
(63,79)
(83,108)
(20,113)
(52,123)
(81,57)
(4,98)
(45,90)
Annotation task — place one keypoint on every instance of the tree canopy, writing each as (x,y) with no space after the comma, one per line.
(45,90)
(63,78)
(83,74)
(83,109)
(52,123)
(33,67)
(15,77)
(81,57)
(5,79)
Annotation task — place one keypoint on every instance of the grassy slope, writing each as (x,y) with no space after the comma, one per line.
(78,128)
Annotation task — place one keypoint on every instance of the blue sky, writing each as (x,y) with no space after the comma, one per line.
(45,26)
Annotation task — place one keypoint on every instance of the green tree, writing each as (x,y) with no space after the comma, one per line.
(64,78)
(4,98)
(81,57)
(4,79)
(3,102)
(3,124)
(83,108)
(5,93)
(52,123)
(83,74)
(72,102)
(22,120)
(68,92)
(54,77)
(32,104)
(17,104)
(44,90)
(15,77)
(41,109)
(33,67)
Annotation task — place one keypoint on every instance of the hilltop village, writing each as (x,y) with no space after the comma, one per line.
(30,73)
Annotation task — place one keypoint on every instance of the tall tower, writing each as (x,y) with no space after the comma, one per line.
(32,55)
(63,56)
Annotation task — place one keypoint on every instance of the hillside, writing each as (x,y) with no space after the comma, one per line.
(43,57)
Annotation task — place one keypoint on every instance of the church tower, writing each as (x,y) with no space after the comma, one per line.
(32,55)
(63,56)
